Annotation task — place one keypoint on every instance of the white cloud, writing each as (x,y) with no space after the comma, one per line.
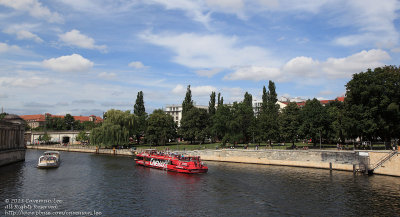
(300,68)
(23,34)
(255,73)
(34,8)
(72,63)
(9,49)
(208,72)
(106,75)
(345,67)
(28,82)
(374,21)
(209,51)
(196,90)
(75,38)
(136,65)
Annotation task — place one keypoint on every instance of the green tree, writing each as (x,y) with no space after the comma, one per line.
(268,118)
(290,122)
(45,138)
(118,126)
(82,137)
(194,125)
(211,104)
(336,118)
(69,122)
(372,104)
(220,123)
(211,112)
(187,103)
(140,111)
(2,115)
(89,125)
(314,120)
(160,128)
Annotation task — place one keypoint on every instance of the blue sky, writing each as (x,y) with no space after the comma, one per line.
(87,56)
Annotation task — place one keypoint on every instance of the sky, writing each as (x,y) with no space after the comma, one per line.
(85,57)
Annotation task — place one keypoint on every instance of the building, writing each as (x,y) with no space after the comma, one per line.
(35,121)
(258,103)
(176,111)
(12,144)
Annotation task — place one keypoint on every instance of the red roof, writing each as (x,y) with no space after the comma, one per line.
(33,117)
(323,102)
(341,99)
(42,118)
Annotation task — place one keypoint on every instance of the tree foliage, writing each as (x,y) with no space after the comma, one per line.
(82,136)
(372,103)
(314,120)
(290,122)
(160,128)
(117,128)
(187,103)
(268,118)
(140,112)
(194,125)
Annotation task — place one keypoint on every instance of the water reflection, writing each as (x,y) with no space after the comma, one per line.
(116,187)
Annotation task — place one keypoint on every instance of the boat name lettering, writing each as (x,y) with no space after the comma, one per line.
(158,163)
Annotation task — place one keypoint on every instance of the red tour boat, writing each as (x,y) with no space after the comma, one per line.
(171,162)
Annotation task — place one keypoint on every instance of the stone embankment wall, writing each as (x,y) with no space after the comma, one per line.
(12,145)
(89,149)
(323,159)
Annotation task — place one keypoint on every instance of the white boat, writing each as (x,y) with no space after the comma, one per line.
(50,159)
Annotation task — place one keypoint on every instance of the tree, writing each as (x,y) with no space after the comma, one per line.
(160,128)
(194,125)
(69,122)
(2,115)
(118,126)
(82,137)
(372,104)
(314,120)
(211,104)
(45,138)
(268,118)
(220,122)
(187,103)
(220,100)
(211,112)
(290,122)
(336,118)
(140,111)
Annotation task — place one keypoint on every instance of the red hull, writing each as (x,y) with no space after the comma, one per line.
(171,162)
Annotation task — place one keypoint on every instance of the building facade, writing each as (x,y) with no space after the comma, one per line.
(176,112)
(12,144)
(35,121)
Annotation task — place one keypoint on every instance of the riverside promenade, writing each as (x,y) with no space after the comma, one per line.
(380,162)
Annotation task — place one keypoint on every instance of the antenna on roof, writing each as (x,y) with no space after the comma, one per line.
(2,110)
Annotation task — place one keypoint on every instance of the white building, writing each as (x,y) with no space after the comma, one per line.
(176,111)
(258,103)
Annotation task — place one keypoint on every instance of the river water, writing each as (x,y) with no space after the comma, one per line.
(113,186)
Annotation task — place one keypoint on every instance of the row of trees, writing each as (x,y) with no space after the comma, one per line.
(370,112)
(68,122)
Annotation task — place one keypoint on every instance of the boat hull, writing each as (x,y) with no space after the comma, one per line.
(174,168)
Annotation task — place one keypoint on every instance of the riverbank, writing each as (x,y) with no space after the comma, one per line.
(84,149)
(321,159)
